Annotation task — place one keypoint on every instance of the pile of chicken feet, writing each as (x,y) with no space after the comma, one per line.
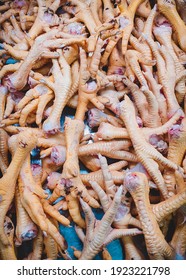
(119,67)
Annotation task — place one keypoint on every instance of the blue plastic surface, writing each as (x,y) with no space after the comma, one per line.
(11,61)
